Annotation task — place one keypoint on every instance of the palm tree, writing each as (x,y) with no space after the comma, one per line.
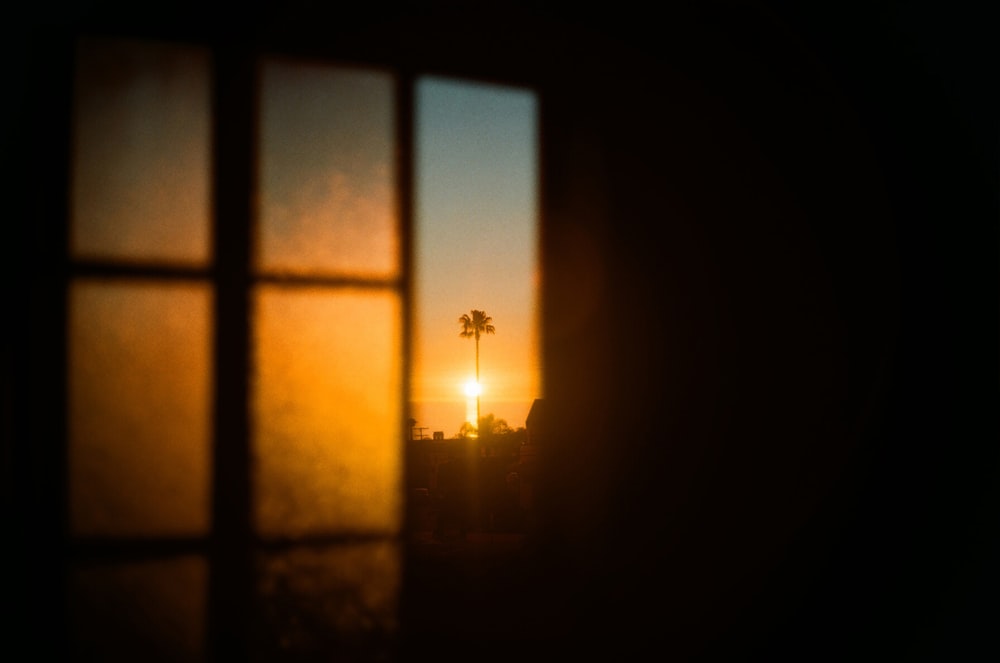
(472,327)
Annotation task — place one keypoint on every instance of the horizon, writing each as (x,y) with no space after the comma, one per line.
(448,412)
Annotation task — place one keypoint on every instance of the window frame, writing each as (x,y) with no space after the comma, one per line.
(230,544)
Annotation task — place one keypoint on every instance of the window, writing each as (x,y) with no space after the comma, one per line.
(238,329)
(166,493)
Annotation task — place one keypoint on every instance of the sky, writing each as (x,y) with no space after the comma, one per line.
(475,248)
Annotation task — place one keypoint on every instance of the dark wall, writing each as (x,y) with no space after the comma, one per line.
(771,332)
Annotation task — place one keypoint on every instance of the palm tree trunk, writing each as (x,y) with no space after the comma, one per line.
(478,388)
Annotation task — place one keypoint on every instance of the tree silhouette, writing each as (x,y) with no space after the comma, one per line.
(490,425)
(473,327)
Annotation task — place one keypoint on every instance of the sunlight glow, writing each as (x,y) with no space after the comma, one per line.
(140,412)
(326,411)
(472,391)
(472,388)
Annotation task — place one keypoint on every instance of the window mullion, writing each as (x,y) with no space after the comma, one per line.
(234,163)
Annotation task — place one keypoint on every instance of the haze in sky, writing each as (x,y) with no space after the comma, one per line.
(475,248)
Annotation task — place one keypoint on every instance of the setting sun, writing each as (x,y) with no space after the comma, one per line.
(472,388)
(472,391)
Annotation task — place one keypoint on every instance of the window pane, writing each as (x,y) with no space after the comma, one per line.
(475,247)
(144,611)
(313,602)
(326,411)
(139,401)
(327,164)
(141,158)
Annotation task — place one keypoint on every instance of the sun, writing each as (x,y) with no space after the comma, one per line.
(472,388)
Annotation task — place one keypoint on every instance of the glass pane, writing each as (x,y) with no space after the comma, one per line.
(145,611)
(333,600)
(476,248)
(326,411)
(139,402)
(141,157)
(327,171)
